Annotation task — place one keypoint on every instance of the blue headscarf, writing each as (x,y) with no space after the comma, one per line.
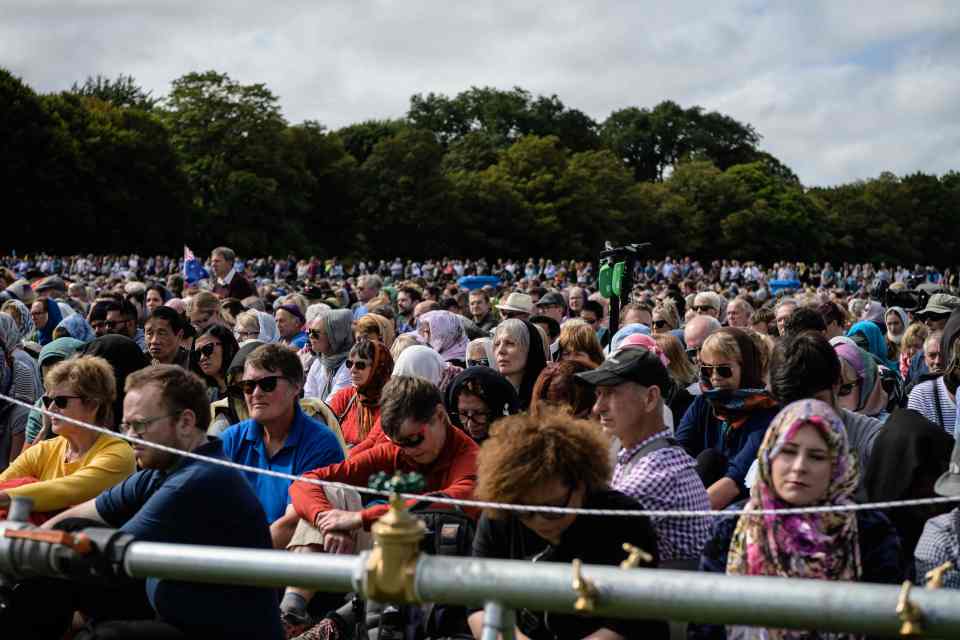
(78,328)
(25,325)
(625,331)
(876,343)
(54,317)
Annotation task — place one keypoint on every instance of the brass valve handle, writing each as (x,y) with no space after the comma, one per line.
(910,614)
(934,577)
(586,590)
(635,555)
(79,542)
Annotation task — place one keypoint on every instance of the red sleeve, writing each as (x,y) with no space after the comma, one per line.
(374,438)
(309,500)
(339,401)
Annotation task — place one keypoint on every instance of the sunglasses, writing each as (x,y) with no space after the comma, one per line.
(314,334)
(530,515)
(266,383)
(359,364)
(482,362)
(846,389)
(723,370)
(659,324)
(693,355)
(479,417)
(140,426)
(412,441)
(206,351)
(60,401)
(703,308)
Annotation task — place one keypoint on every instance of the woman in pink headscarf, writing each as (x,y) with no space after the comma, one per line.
(443,331)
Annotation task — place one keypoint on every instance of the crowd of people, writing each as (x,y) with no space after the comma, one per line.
(726,386)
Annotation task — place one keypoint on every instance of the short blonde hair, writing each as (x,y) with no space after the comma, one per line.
(90,377)
(579,336)
(680,368)
(203,301)
(915,333)
(247,320)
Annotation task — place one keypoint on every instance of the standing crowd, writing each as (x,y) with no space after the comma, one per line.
(722,386)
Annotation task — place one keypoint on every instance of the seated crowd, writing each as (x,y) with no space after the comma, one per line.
(710,394)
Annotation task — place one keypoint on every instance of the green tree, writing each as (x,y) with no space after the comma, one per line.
(360,139)
(122,92)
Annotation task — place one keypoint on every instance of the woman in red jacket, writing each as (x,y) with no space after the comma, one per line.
(358,406)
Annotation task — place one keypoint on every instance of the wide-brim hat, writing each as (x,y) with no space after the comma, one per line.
(518,302)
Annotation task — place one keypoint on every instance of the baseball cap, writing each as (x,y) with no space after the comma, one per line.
(630,365)
(551,298)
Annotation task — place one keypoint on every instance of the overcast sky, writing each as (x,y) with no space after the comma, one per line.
(839,90)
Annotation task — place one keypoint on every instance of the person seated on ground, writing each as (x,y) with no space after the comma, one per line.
(53,353)
(444,332)
(520,356)
(331,337)
(665,317)
(936,399)
(631,387)
(695,333)
(357,406)
(421,439)
(860,390)
(164,332)
(804,319)
(480,353)
(557,388)
(724,426)
(804,461)
(172,499)
(375,327)
(18,380)
(78,463)
(919,452)
(290,322)
(868,336)
(75,326)
(550,327)
(212,354)
(476,398)
(910,345)
(896,322)
(578,341)
(556,460)
(940,540)
(277,435)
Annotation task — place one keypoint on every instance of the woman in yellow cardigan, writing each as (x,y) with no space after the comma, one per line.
(78,464)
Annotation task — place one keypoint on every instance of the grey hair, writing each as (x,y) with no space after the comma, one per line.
(515,330)
(226,253)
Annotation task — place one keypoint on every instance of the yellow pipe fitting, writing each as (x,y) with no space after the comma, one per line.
(391,567)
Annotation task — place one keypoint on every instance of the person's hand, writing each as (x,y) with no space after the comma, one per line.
(338,542)
(337,520)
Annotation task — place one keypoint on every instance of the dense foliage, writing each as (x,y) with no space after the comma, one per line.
(106,167)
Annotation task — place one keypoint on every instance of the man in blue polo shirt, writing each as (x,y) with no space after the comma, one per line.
(173,499)
(278,436)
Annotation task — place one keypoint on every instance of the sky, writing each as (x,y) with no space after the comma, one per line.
(839,90)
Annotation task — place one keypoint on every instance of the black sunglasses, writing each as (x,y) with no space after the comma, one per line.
(693,355)
(267,383)
(314,334)
(207,350)
(723,370)
(60,401)
(659,324)
(703,308)
(359,364)
(482,362)
(412,441)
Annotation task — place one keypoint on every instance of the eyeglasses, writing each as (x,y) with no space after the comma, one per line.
(314,334)
(412,441)
(60,401)
(693,355)
(530,515)
(113,324)
(267,383)
(359,364)
(242,335)
(703,308)
(140,427)
(480,362)
(206,351)
(479,417)
(659,324)
(725,371)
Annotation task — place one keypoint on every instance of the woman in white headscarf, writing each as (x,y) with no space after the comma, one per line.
(423,362)
(895,318)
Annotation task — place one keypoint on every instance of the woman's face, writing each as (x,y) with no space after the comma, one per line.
(246,331)
(660,323)
(474,415)
(38,311)
(360,370)
(848,396)
(554,493)
(154,300)
(210,352)
(367,335)
(801,470)
(510,357)
(718,371)
(894,324)
(424,330)
(203,318)
(76,408)
(912,348)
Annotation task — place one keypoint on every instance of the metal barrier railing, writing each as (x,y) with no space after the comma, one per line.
(395,571)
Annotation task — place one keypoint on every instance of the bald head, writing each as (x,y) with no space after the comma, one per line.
(698,329)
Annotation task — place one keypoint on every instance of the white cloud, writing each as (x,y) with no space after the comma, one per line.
(839,90)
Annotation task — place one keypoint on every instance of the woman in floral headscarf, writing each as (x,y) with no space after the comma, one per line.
(804,461)
(443,331)
(358,406)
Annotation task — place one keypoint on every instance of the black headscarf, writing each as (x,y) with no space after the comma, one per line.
(124,356)
(496,392)
(951,331)
(536,361)
(908,456)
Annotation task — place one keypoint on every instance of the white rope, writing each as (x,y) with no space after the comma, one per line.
(491,505)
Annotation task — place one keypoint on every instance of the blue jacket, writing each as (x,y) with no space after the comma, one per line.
(700,430)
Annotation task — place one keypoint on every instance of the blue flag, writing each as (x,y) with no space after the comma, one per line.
(193,270)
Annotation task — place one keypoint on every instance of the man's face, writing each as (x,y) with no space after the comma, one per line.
(220,266)
(287,324)
(479,306)
(554,311)
(936,322)
(617,407)
(144,408)
(737,316)
(704,308)
(117,323)
(162,341)
(38,311)
(366,293)
(422,441)
(404,302)
(783,313)
(268,406)
(932,355)
(590,317)
(99,326)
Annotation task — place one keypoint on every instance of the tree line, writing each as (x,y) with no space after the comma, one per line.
(108,167)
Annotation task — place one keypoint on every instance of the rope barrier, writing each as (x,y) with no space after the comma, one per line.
(492,505)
